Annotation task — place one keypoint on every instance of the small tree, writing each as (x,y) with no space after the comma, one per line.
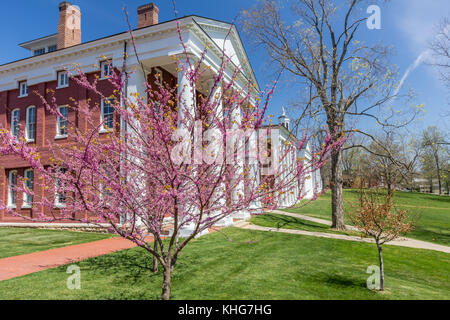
(378,218)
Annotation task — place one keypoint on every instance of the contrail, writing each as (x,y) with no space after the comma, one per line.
(427,54)
(423,56)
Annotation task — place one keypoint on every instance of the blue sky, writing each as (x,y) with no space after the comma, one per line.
(408,25)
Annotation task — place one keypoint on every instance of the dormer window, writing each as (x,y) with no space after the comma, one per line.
(63,79)
(38,52)
(23,89)
(106,69)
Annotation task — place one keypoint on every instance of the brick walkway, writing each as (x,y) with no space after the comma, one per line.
(17,266)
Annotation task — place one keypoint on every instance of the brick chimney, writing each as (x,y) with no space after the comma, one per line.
(147,15)
(69,25)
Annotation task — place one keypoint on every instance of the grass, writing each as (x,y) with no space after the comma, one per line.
(286,222)
(17,241)
(432,212)
(244,264)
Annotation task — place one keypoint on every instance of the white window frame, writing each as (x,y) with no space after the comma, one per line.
(58,202)
(28,123)
(103,64)
(12,194)
(28,199)
(38,52)
(13,127)
(23,89)
(65,83)
(102,117)
(58,123)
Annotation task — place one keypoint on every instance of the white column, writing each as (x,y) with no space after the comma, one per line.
(254,175)
(186,94)
(135,84)
(217,94)
(238,191)
(186,109)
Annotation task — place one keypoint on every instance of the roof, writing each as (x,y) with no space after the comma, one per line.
(33,43)
(28,44)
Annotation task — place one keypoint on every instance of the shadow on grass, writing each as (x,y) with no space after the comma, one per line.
(282,221)
(343,281)
(130,266)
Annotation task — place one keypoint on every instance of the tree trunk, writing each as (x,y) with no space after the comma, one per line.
(337,210)
(438,173)
(390,189)
(166,282)
(155,260)
(380,256)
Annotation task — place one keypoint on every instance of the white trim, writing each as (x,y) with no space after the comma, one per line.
(10,204)
(110,69)
(21,94)
(102,118)
(11,123)
(58,128)
(25,203)
(58,84)
(57,203)
(27,123)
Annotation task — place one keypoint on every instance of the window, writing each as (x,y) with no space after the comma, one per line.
(106,192)
(159,76)
(28,184)
(23,88)
(63,79)
(51,48)
(60,196)
(107,115)
(39,51)
(106,69)
(12,189)
(15,123)
(30,130)
(61,122)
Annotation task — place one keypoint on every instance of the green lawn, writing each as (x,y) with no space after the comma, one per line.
(286,222)
(17,241)
(431,211)
(244,264)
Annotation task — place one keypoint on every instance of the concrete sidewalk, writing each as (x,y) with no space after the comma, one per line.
(402,242)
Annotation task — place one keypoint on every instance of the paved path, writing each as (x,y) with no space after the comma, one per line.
(308,218)
(402,242)
(37,261)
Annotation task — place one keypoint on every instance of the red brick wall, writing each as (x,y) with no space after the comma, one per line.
(46,128)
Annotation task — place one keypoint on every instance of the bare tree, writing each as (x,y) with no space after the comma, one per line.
(347,78)
(440,47)
(433,144)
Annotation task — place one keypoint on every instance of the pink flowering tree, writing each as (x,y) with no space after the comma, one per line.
(165,171)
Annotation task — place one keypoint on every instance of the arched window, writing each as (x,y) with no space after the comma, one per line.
(30,129)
